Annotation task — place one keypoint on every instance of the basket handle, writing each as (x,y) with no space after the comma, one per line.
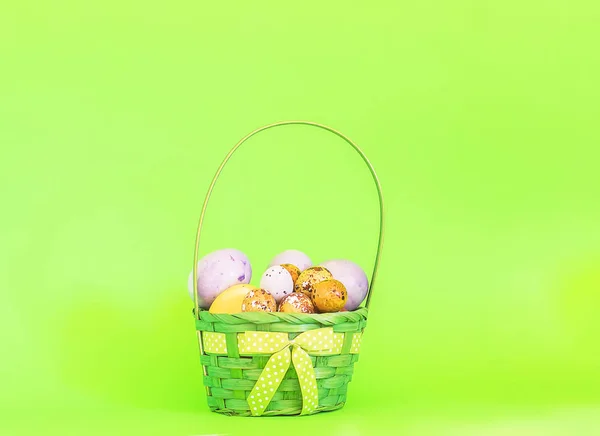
(244,139)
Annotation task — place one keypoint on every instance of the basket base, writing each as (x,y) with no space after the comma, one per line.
(289,412)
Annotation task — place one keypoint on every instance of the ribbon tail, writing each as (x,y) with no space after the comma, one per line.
(269,381)
(306,379)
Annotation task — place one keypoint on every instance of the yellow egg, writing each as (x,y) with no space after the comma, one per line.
(259,300)
(309,277)
(329,296)
(293,270)
(230,300)
(296,302)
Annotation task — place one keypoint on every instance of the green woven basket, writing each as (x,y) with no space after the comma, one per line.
(269,364)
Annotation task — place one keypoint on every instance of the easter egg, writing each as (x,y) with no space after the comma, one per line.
(309,277)
(259,300)
(293,270)
(353,277)
(296,302)
(218,271)
(329,296)
(231,299)
(277,281)
(294,257)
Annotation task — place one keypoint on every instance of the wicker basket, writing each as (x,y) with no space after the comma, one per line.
(269,364)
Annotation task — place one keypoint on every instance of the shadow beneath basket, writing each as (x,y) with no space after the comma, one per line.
(280,415)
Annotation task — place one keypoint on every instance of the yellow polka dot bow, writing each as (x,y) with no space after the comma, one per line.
(272,375)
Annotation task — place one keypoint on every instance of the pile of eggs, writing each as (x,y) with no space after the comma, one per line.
(291,283)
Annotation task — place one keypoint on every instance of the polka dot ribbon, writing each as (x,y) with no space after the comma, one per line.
(272,375)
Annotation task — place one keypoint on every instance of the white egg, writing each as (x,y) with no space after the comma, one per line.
(294,257)
(278,282)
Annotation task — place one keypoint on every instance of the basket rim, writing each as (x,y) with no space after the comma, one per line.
(277,317)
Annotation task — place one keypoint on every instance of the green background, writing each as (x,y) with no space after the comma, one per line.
(480,117)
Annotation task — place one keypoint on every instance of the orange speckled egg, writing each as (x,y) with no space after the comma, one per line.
(297,302)
(329,296)
(309,277)
(259,300)
(293,270)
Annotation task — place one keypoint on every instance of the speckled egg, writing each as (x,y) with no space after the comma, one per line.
(329,296)
(259,300)
(297,302)
(353,277)
(218,271)
(278,282)
(295,257)
(309,277)
(293,270)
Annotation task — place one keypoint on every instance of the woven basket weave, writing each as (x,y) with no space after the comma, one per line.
(230,376)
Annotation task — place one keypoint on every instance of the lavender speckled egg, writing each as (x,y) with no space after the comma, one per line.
(296,302)
(309,277)
(294,257)
(218,271)
(277,281)
(353,277)
(259,300)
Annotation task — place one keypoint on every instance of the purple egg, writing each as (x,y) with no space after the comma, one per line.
(218,271)
(294,257)
(353,277)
